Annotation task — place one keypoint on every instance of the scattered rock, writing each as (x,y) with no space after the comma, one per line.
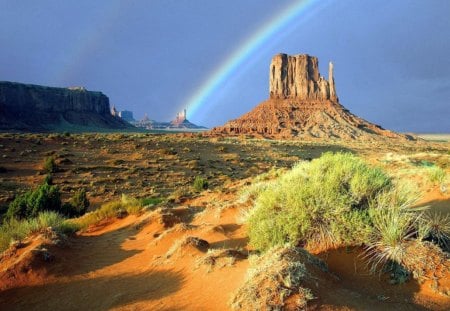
(198,243)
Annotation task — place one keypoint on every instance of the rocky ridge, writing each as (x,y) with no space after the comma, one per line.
(27,107)
(302,104)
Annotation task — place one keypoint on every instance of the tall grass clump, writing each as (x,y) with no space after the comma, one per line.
(393,228)
(125,206)
(321,203)
(436,175)
(16,230)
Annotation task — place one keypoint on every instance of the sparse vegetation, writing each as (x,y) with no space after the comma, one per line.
(151,201)
(393,228)
(125,206)
(436,175)
(200,183)
(49,165)
(16,230)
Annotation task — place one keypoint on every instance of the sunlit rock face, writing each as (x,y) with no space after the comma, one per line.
(298,77)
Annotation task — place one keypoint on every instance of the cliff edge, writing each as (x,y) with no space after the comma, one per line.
(26,107)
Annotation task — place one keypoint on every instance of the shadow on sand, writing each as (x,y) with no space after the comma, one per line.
(438,206)
(101,293)
(90,253)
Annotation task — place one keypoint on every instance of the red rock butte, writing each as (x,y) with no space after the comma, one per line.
(302,104)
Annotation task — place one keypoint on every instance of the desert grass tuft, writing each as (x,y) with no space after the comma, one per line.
(125,206)
(16,230)
(435,227)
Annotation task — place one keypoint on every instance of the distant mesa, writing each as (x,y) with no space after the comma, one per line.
(180,123)
(27,107)
(302,104)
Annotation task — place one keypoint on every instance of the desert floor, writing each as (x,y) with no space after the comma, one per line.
(148,261)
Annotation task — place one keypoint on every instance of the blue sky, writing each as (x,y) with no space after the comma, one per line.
(392,64)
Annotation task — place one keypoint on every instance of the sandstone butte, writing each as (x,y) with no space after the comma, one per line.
(303,104)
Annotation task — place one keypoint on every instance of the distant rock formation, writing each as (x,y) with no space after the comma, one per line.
(27,107)
(181,117)
(302,104)
(180,123)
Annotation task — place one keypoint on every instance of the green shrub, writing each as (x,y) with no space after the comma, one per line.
(324,202)
(50,165)
(200,183)
(31,203)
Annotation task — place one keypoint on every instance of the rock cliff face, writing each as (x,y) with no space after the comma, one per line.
(36,108)
(302,104)
(298,77)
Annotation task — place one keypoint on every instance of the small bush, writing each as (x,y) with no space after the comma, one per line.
(50,165)
(30,204)
(200,183)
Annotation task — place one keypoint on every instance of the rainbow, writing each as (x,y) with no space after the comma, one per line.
(87,44)
(291,15)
